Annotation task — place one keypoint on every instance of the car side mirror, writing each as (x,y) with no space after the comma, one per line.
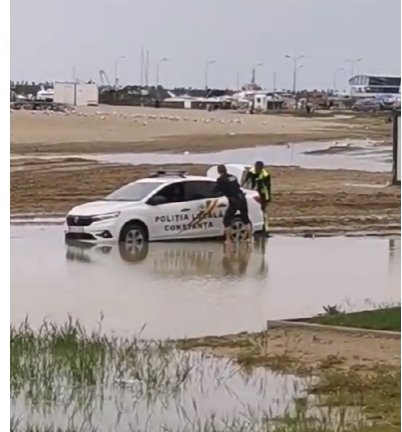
(157,200)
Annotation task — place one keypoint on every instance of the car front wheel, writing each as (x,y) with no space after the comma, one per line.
(134,235)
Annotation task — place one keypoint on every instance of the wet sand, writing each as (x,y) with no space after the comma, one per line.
(304,349)
(333,200)
(127,129)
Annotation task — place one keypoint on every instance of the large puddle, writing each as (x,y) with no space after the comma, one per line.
(346,154)
(354,155)
(192,289)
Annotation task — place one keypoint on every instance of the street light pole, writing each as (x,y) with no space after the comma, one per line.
(146,68)
(352,65)
(296,66)
(116,67)
(142,67)
(253,72)
(237,81)
(336,77)
(352,70)
(74,74)
(162,60)
(207,64)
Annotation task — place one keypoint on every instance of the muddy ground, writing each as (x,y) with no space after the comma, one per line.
(350,369)
(324,199)
(108,129)
(331,200)
(312,349)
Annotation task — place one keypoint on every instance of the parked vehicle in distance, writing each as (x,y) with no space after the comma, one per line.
(377,103)
(367,105)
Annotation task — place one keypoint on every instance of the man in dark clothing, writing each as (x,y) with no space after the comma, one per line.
(229,186)
(259,179)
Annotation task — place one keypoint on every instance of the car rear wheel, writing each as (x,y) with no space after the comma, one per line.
(238,230)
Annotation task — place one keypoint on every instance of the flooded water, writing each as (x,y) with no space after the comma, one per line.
(193,289)
(356,155)
(213,387)
(363,155)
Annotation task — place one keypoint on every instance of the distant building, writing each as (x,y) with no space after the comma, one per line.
(78,94)
(263,102)
(374,85)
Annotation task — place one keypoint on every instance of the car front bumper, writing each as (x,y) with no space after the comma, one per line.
(97,231)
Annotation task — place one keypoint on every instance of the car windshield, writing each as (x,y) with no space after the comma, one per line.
(136,191)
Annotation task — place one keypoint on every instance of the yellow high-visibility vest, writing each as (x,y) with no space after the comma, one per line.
(264,173)
(261,176)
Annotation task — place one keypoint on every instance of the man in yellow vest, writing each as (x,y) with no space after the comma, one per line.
(259,179)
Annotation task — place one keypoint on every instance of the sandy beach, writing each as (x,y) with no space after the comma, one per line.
(108,129)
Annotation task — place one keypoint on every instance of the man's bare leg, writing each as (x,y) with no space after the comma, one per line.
(266,220)
(249,233)
(228,239)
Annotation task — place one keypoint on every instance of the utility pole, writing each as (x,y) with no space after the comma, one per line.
(274,81)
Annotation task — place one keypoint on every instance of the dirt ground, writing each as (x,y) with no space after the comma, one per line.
(314,349)
(334,201)
(126,129)
(326,200)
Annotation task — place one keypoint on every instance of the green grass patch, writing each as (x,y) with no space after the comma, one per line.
(378,319)
(64,378)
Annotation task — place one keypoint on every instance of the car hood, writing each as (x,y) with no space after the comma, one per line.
(102,207)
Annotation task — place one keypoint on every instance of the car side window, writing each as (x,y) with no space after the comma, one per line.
(200,189)
(173,193)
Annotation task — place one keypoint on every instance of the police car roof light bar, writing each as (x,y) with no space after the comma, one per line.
(161,173)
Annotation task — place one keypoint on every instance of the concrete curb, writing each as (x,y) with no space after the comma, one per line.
(312,326)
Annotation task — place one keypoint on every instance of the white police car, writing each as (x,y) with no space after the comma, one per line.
(164,206)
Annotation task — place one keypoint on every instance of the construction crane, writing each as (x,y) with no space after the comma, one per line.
(105,82)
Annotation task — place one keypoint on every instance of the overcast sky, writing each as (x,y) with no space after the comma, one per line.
(49,37)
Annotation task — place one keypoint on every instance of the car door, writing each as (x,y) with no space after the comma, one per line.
(206,206)
(171,217)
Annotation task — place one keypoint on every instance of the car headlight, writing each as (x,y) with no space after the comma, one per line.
(106,216)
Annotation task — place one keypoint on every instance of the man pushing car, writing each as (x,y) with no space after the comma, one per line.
(228,185)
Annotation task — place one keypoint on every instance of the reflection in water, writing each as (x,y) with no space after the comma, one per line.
(235,259)
(237,256)
(395,249)
(395,257)
(195,288)
(181,259)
